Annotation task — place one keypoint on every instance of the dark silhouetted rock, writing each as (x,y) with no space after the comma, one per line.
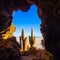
(9,49)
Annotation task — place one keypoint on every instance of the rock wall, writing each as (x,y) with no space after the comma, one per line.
(50,27)
(48,11)
(9,49)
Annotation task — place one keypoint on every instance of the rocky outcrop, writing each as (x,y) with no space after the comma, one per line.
(9,49)
(48,11)
(50,27)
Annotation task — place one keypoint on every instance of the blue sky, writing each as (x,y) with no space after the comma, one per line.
(26,21)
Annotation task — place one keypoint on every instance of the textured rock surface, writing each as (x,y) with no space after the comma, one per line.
(9,49)
(48,11)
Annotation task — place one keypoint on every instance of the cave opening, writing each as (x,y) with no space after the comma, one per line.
(27,21)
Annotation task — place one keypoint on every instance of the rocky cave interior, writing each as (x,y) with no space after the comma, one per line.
(48,11)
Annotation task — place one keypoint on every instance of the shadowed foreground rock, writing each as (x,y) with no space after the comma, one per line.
(9,49)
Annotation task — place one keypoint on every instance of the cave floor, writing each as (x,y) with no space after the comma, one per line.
(28,57)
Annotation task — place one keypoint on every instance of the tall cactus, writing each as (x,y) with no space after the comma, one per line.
(31,41)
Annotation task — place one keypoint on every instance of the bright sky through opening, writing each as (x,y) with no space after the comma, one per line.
(26,21)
